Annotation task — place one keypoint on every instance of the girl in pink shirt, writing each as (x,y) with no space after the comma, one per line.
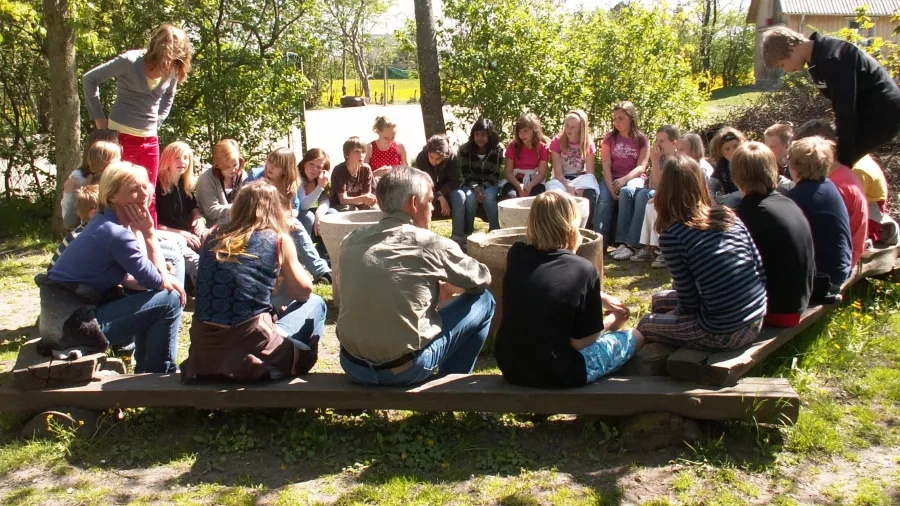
(526,159)
(624,153)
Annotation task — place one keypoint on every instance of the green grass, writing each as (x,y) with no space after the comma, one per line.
(722,100)
(845,369)
(402,90)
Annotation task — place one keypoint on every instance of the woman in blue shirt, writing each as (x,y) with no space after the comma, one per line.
(119,247)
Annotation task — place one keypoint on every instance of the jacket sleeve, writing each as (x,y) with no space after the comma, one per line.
(92,79)
(841,80)
(208,198)
(165,105)
(451,176)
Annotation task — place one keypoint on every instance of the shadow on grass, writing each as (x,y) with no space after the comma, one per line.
(12,340)
(381,450)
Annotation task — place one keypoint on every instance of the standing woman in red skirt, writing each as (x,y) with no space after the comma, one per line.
(146,81)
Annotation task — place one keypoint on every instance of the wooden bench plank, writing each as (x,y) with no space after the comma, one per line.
(724,368)
(878,261)
(767,399)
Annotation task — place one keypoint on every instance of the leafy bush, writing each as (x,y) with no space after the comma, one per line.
(506,57)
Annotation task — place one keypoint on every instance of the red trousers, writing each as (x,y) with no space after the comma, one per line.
(143,151)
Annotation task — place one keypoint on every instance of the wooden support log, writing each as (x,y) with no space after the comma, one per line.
(726,367)
(34,371)
(770,400)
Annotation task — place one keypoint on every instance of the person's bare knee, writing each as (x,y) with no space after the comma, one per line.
(638,339)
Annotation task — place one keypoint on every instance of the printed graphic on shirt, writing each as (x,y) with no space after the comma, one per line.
(624,150)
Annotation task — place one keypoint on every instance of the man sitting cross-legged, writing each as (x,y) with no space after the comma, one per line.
(393,275)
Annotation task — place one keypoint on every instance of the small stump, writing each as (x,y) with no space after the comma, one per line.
(514,212)
(333,228)
(34,371)
(491,249)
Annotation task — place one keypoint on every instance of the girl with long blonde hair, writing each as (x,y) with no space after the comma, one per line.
(282,172)
(240,265)
(146,81)
(176,207)
(719,296)
(573,156)
(553,333)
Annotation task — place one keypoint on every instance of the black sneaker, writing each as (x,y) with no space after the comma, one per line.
(325,279)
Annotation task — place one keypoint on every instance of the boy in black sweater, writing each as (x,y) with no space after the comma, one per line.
(780,231)
(866,101)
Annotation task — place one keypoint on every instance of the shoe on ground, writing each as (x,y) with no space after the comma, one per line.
(659,263)
(618,250)
(624,253)
(325,279)
(643,255)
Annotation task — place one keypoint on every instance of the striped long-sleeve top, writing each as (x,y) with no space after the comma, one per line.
(719,276)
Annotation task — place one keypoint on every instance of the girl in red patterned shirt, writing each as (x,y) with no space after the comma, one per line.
(385,153)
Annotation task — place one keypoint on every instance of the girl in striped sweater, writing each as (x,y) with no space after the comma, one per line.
(719,293)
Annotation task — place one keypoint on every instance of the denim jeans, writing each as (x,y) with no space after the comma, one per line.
(632,205)
(464,207)
(308,218)
(605,205)
(151,319)
(307,253)
(172,254)
(176,250)
(465,324)
(302,320)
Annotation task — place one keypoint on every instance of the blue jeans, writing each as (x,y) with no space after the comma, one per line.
(151,319)
(307,253)
(464,329)
(302,320)
(632,205)
(172,253)
(308,218)
(603,212)
(464,207)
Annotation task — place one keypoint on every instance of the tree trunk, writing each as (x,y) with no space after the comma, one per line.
(359,63)
(429,77)
(64,100)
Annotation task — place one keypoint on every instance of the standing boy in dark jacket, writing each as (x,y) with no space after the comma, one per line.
(865,99)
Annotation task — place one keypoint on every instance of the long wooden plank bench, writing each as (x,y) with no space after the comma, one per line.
(725,368)
(770,400)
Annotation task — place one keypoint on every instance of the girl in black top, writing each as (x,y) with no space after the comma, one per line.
(553,324)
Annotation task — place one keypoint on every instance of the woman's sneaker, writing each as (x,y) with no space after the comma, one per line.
(659,263)
(643,255)
(623,253)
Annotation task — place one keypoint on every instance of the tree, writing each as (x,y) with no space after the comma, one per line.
(24,117)
(353,21)
(506,57)
(65,104)
(406,43)
(429,77)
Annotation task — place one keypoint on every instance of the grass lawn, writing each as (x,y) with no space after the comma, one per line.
(399,90)
(724,99)
(845,448)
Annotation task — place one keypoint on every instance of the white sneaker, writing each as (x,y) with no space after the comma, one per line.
(625,253)
(659,263)
(642,255)
(617,251)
